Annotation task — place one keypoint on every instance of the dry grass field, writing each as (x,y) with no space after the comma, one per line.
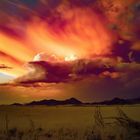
(70,122)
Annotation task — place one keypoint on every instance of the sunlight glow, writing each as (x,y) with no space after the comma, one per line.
(72,57)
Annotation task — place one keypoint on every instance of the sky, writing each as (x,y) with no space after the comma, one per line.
(88,49)
(5,78)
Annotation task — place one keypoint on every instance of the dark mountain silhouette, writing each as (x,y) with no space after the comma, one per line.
(17,104)
(118,101)
(73,101)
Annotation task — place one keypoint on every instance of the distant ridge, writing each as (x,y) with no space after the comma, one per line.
(118,101)
(74,101)
(52,102)
(17,104)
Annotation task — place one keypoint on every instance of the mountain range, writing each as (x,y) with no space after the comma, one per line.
(74,101)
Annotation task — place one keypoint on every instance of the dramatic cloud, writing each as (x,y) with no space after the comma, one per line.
(91,88)
(63,27)
(83,48)
(60,71)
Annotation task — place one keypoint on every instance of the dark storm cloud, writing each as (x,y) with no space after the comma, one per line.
(61,72)
(45,72)
(86,79)
(135,56)
(57,72)
(3,66)
(122,48)
(90,88)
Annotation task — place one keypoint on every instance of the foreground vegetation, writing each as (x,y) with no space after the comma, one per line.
(120,127)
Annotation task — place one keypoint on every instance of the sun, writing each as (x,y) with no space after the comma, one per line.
(71,57)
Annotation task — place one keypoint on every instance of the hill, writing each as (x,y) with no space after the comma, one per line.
(74,101)
(118,101)
(52,102)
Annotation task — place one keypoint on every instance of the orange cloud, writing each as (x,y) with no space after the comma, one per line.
(84,34)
